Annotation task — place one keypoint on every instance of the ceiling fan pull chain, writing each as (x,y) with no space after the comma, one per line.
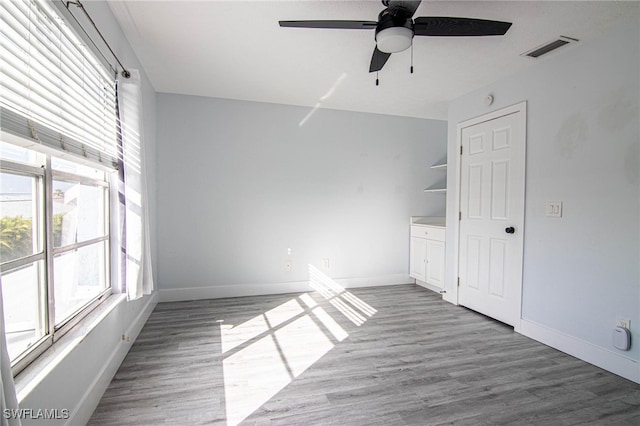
(411,58)
(377,81)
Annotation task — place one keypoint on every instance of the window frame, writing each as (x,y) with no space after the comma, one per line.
(54,251)
(43,195)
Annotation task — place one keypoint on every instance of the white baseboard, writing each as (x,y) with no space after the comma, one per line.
(239,290)
(606,359)
(431,287)
(91,398)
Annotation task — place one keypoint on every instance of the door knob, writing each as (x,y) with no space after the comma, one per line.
(510,230)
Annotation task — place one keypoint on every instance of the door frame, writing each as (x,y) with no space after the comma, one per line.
(516,108)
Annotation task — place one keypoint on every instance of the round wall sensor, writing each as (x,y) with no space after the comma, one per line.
(488,100)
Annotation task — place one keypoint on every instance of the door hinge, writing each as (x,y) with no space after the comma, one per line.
(460,149)
(458,281)
(459,215)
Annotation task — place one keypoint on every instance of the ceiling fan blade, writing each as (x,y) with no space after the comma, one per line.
(345,25)
(409,6)
(378,60)
(452,27)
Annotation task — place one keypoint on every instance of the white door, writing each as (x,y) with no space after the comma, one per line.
(492,167)
(435,263)
(418,258)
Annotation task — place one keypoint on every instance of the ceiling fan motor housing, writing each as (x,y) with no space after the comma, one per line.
(394,31)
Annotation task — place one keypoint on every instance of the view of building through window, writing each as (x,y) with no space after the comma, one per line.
(20,238)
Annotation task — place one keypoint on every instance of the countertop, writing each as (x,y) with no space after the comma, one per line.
(428,221)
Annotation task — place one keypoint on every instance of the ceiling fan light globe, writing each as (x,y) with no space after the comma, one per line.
(394,39)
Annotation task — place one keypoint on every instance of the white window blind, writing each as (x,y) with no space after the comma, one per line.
(54,92)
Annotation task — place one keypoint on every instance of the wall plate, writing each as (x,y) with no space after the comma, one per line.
(553,209)
(623,322)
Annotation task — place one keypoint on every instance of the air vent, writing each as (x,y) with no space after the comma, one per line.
(550,46)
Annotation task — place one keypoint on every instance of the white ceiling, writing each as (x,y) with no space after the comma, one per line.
(236,50)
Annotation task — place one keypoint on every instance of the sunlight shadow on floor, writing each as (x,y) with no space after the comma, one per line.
(264,354)
(352,307)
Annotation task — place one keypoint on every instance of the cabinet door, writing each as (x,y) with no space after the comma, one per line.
(435,263)
(417,258)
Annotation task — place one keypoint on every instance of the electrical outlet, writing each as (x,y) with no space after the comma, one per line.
(623,322)
(553,209)
(287,265)
(325,263)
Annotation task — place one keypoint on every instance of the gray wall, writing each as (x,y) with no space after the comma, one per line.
(580,271)
(242,182)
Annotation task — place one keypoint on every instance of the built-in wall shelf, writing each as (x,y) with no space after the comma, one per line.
(430,189)
(442,185)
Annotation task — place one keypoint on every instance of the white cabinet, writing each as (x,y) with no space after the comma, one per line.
(434,273)
(418,258)
(426,255)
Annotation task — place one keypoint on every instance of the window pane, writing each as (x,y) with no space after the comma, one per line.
(78,213)
(16,153)
(75,168)
(24,312)
(78,276)
(18,217)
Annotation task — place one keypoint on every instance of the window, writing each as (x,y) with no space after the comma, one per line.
(54,247)
(58,142)
(80,237)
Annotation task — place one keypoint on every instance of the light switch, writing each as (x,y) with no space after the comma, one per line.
(554,209)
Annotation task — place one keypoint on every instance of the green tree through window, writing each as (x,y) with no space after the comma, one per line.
(16,236)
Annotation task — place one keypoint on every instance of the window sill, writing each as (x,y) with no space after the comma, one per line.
(28,379)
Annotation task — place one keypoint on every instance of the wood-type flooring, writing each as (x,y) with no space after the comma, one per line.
(395,355)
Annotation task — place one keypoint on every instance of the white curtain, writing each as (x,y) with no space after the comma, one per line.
(8,398)
(135,260)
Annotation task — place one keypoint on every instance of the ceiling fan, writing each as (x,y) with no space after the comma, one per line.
(395,28)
